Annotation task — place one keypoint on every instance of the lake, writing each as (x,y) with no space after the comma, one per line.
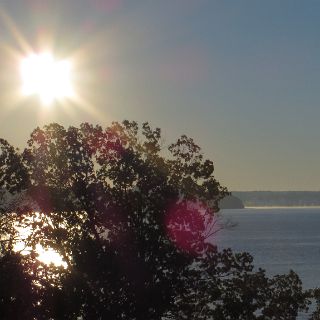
(279,239)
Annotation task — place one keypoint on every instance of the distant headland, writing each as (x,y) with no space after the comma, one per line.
(278,198)
(231,202)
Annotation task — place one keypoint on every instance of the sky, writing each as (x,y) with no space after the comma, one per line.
(240,77)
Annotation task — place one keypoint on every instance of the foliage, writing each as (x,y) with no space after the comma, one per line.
(133,222)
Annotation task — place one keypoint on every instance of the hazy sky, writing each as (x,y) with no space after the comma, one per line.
(240,77)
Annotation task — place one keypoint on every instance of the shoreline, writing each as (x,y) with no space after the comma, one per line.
(282,207)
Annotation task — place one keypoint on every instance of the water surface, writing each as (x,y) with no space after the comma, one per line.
(279,239)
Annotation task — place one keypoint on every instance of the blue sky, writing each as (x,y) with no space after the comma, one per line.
(240,77)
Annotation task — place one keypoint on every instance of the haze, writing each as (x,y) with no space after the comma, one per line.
(240,77)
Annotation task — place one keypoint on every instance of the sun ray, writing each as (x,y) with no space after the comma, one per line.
(10,24)
(89,108)
(71,94)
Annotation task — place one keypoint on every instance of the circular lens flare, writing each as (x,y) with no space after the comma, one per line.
(189,225)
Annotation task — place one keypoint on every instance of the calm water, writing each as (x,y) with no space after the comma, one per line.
(279,239)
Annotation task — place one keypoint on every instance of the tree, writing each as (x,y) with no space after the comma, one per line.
(132,221)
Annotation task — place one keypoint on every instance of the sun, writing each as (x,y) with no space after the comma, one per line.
(43,75)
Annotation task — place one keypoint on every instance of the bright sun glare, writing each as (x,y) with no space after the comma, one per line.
(46,255)
(46,77)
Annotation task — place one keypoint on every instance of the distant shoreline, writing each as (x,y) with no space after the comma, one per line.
(282,207)
(279,199)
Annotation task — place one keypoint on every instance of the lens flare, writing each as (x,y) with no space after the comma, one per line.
(189,225)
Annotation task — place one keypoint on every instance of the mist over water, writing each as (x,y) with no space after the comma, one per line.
(279,239)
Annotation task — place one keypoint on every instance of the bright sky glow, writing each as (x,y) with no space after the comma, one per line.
(48,256)
(45,255)
(46,77)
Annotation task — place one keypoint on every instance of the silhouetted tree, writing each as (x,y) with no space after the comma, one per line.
(16,294)
(132,221)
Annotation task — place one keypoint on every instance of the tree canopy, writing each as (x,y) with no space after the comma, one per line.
(133,220)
